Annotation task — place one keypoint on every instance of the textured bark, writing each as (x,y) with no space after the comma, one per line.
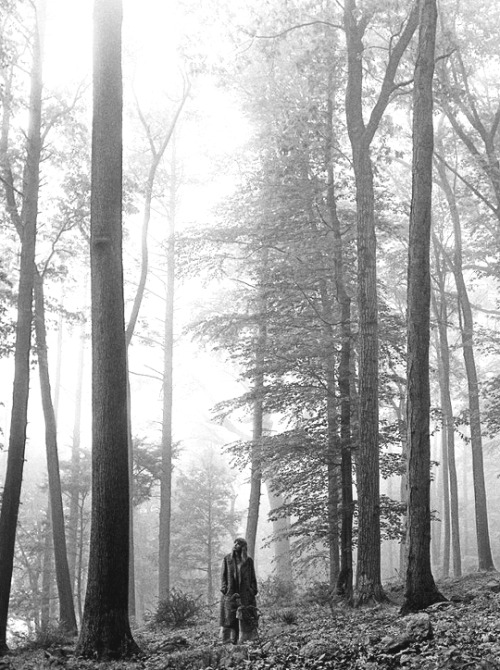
(67,619)
(420,591)
(18,423)
(368,581)
(105,629)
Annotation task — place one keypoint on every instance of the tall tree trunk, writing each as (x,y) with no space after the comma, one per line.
(441,310)
(345,574)
(67,619)
(167,437)
(400,409)
(420,589)
(105,632)
(445,482)
(17,438)
(74,497)
(368,580)
(47,576)
(466,319)
(345,580)
(333,450)
(257,433)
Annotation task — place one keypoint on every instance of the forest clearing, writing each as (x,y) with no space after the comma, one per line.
(461,633)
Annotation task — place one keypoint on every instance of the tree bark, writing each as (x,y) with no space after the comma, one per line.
(368,580)
(67,619)
(19,414)
(105,632)
(420,591)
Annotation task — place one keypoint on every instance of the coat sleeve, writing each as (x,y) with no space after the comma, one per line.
(224,577)
(253,578)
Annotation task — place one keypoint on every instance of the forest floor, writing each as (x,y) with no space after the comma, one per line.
(461,633)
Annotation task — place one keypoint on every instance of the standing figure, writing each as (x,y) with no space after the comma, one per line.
(238,610)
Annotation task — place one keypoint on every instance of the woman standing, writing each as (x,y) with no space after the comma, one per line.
(238,610)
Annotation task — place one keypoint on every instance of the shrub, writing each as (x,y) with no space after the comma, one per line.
(276,592)
(287,616)
(177,610)
(48,638)
(319,593)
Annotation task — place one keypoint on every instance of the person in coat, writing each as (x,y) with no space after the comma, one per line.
(238,606)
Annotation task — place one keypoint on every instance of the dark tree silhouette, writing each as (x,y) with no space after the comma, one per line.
(420,590)
(105,630)
(19,415)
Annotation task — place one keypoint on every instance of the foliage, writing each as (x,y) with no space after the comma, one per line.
(465,635)
(177,610)
(319,593)
(147,469)
(203,522)
(287,615)
(276,592)
(48,638)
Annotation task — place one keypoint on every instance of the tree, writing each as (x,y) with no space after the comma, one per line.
(466,321)
(420,591)
(17,439)
(165,517)
(368,584)
(203,522)
(67,617)
(105,629)
(441,314)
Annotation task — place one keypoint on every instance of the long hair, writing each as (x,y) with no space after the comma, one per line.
(244,549)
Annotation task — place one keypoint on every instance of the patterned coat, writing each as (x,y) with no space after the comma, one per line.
(243,582)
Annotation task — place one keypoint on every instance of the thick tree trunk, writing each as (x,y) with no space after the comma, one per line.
(67,619)
(105,632)
(17,438)
(368,581)
(420,589)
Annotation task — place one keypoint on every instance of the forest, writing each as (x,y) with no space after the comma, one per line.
(249,288)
